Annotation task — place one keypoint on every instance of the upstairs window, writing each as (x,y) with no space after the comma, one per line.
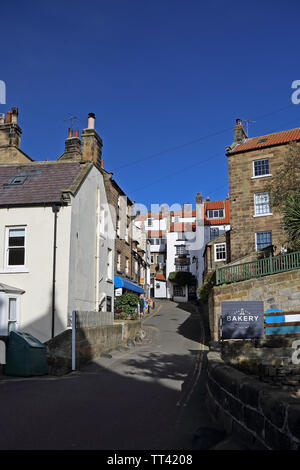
(118,261)
(261,167)
(262,203)
(149,222)
(214,233)
(215,214)
(15,247)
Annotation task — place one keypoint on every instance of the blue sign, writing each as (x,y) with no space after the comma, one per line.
(242,320)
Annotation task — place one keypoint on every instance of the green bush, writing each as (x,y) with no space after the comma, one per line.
(206,287)
(127,303)
(182,278)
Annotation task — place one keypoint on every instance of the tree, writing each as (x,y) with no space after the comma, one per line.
(286,180)
(182,278)
(291,213)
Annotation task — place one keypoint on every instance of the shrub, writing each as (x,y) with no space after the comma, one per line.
(127,303)
(206,287)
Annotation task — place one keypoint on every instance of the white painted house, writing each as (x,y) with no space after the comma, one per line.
(56,242)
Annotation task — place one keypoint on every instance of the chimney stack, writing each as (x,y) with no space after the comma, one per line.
(10,131)
(91,143)
(72,147)
(198,198)
(239,131)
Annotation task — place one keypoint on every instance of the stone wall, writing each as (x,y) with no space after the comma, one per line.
(242,187)
(276,291)
(90,344)
(256,413)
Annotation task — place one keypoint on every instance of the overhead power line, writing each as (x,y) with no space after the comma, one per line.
(194,141)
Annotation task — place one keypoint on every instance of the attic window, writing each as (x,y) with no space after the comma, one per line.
(18,180)
(260,141)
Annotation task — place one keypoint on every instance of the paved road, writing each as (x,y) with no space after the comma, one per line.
(148,397)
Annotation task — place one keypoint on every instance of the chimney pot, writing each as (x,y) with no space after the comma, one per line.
(70,133)
(8,117)
(77,133)
(91,120)
(102,163)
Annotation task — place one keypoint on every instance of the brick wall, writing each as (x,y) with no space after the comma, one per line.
(278,290)
(242,189)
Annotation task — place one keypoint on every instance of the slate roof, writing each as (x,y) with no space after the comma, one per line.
(44,182)
(268,140)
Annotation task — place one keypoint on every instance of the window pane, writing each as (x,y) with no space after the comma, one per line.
(262,203)
(261,167)
(16,256)
(12,310)
(263,239)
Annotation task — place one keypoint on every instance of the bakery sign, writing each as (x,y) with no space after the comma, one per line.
(242,319)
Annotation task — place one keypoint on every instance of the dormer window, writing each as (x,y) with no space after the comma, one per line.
(215,214)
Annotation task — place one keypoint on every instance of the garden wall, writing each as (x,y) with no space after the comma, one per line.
(90,344)
(276,291)
(258,414)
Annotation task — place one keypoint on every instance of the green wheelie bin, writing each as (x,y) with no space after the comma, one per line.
(25,355)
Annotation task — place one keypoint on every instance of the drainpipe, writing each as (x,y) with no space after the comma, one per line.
(97,252)
(55,210)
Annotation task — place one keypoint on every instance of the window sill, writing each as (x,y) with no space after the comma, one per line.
(110,281)
(263,215)
(260,176)
(220,260)
(14,271)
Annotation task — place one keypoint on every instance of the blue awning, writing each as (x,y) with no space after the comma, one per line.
(121,282)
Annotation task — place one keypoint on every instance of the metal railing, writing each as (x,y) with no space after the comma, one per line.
(258,268)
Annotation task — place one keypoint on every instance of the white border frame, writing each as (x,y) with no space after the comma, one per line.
(15,268)
(215,252)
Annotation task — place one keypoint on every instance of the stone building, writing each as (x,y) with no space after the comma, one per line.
(251,163)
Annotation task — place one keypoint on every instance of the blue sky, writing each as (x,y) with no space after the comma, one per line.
(158,75)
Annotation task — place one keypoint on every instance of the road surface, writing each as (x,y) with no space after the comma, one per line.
(150,396)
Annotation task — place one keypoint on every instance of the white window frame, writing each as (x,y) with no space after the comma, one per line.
(255,205)
(220,209)
(118,226)
(109,264)
(215,252)
(151,223)
(118,261)
(126,265)
(266,231)
(253,169)
(4,312)
(15,268)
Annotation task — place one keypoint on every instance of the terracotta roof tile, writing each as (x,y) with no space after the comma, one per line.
(160,277)
(267,140)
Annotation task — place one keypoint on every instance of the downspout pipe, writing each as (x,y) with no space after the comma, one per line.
(55,210)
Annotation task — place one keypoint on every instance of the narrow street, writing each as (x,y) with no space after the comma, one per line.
(150,396)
